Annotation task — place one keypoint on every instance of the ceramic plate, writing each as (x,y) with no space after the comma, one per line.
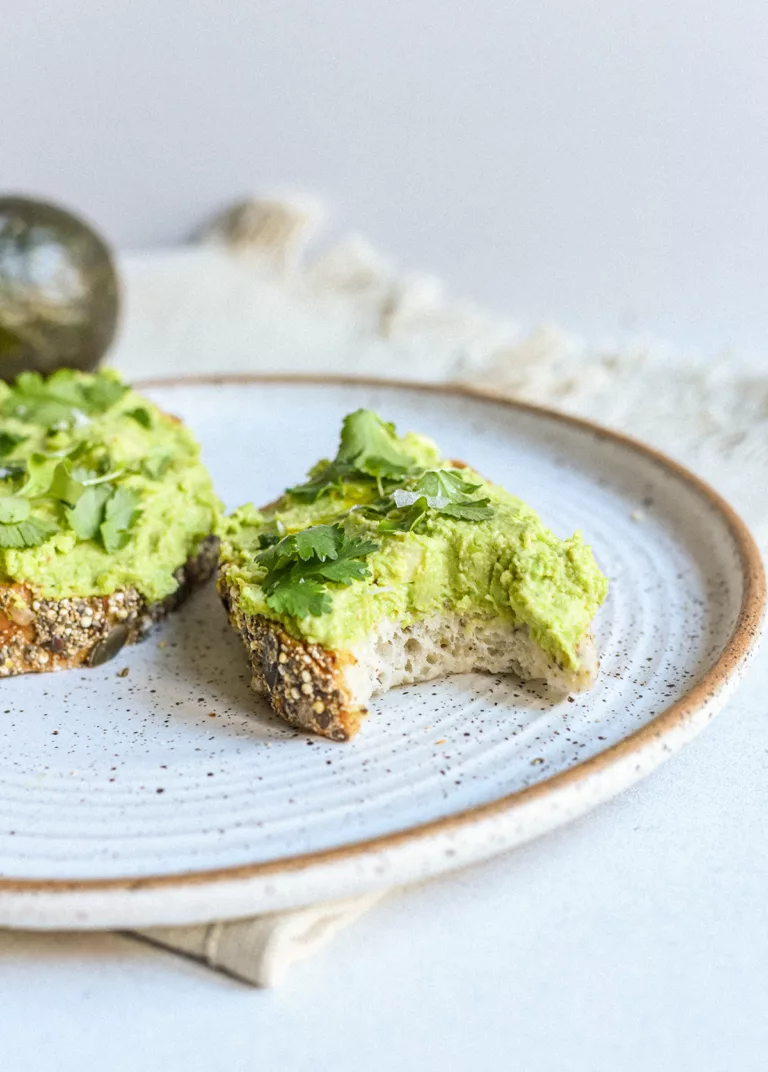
(171,795)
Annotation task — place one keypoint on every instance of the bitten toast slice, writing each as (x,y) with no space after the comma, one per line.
(392,565)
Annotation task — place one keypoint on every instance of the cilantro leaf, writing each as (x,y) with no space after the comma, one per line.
(407,518)
(9,442)
(344,570)
(371,445)
(86,516)
(120,514)
(142,416)
(13,509)
(101,393)
(444,484)
(64,486)
(63,398)
(369,450)
(268,539)
(323,480)
(473,510)
(299,598)
(300,565)
(40,470)
(43,402)
(28,533)
(320,541)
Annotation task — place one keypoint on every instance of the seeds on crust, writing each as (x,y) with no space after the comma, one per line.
(303,682)
(63,633)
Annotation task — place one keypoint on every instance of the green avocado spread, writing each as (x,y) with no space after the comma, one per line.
(99,489)
(391,529)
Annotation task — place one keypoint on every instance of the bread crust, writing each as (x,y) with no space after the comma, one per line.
(39,635)
(303,682)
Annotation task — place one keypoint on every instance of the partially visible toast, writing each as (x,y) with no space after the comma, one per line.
(106,516)
(38,635)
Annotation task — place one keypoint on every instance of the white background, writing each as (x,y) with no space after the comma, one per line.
(600,164)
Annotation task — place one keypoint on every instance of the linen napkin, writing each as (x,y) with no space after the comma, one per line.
(248,297)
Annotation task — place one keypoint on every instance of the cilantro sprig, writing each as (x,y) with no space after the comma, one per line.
(18,528)
(70,482)
(435,491)
(302,565)
(88,500)
(62,399)
(369,452)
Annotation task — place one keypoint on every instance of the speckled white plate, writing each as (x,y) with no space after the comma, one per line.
(172,795)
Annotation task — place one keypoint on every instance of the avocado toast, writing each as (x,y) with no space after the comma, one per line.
(107,519)
(391,565)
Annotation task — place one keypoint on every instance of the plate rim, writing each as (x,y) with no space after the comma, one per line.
(720,678)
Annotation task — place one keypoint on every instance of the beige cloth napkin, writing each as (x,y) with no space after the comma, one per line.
(261,950)
(247,297)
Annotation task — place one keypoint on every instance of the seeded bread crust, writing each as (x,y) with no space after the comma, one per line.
(303,682)
(39,635)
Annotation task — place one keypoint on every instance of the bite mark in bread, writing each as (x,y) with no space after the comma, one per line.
(327,692)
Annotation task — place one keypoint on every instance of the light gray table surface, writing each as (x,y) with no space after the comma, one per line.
(589,163)
(634,939)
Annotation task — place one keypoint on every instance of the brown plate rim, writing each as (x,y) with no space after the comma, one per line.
(739,647)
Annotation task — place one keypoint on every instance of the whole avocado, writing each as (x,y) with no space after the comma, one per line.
(59,293)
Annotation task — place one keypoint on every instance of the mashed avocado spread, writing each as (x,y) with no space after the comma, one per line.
(389,528)
(99,490)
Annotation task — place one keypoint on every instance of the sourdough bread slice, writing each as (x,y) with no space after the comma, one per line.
(327,691)
(107,516)
(392,565)
(39,635)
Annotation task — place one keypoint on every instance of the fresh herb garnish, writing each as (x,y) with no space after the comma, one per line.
(64,486)
(370,445)
(88,498)
(86,515)
(436,491)
(406,518)
(268,539)
(444,483)
(17,528)
(29,533)
(120,513)
(39,471)
(368,452)
(72,475)
(325,479)
(9,442)
(300,566)
(471,510)
(13,509)
(142,416)
(62,399)
(101,393)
